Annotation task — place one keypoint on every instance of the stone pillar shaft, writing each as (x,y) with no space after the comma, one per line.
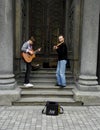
(7,80)
(76,36)
(89,46)
(66,22)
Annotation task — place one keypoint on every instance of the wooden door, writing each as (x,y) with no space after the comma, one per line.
(46,22)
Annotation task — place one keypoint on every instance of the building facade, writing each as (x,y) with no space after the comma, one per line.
(77,20)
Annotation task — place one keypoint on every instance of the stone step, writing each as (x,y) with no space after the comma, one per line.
(40,73)
(43,81)
(46,80)
(51,69)
(45,90)
(50,76)
(42,101)
(45,86)
(47,71)
(47,93)
(44,76)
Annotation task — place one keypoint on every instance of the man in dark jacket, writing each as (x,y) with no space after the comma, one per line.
(61,49)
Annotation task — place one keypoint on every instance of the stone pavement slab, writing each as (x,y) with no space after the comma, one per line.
(30,118)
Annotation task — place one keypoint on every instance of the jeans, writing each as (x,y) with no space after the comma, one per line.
(60,72)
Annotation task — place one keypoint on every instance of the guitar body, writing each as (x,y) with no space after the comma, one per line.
(28,57)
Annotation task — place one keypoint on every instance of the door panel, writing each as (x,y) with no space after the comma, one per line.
(46,23)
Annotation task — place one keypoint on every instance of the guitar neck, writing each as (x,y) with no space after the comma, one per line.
(36,51)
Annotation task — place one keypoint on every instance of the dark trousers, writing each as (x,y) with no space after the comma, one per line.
(28,71)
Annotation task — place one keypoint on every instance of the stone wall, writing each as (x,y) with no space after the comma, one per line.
(88,90)
(8,86)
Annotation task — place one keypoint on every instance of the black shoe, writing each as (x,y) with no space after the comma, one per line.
(61,86)
(57,85)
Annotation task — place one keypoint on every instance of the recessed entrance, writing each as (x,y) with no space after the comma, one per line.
(46,22)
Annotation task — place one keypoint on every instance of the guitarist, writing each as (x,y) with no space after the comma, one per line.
(28,48)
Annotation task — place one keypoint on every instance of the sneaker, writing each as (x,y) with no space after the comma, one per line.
(28,85)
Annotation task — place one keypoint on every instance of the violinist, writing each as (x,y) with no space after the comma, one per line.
(61,49)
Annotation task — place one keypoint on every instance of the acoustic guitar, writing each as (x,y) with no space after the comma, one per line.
(29,57)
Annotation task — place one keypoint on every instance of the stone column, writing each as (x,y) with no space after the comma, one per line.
(7,80)
(27,19)
(76,36)
(87,78)
(18,35)
(87,83)
(66,22)
(21,31)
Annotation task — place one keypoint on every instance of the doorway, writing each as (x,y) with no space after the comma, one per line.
(46,23)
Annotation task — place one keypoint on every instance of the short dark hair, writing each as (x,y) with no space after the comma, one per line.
(32,38)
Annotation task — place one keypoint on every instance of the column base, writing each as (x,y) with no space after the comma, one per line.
(87,83)
(7,82)
(87,90)
(8,89)
(88,98)
(9,96)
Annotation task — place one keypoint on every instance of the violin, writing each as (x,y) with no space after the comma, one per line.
(56,46)
(59,44)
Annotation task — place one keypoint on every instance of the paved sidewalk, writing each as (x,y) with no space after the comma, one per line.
(30,118)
